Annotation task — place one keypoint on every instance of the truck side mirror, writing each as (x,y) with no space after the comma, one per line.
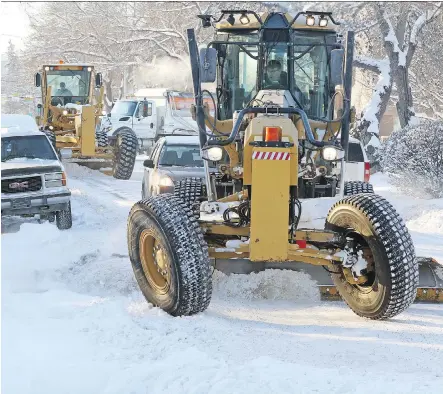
(38,80)
(208,64)
(337,58)
(98,80)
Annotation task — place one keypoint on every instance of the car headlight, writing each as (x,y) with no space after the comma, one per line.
(166,181)
(214,153)
(331,153)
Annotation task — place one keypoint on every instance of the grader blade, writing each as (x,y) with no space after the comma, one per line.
(430,289)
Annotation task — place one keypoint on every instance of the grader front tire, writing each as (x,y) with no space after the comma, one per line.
(169,256)
(392,266)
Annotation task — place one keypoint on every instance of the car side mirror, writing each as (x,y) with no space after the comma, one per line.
(38,80)
(98,80)
(337,59)
(208,64)
(65,153)
(148,163)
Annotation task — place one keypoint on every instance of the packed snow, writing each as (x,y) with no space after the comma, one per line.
(74,320)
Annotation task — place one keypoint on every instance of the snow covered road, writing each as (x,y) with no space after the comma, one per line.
(74,321)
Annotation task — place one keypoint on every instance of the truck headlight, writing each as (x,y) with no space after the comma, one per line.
(55,179)
(166,181)
(214,153)
(332,153)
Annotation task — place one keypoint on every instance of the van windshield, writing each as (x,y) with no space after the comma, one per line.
(355,153)
(28,147)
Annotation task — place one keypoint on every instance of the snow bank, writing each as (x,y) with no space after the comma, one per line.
(266,285)
(75,321)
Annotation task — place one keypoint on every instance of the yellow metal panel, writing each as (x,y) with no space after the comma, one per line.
(87,131)
(270,207)
(255,130)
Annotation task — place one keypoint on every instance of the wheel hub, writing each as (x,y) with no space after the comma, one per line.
(357,263)
(154,261)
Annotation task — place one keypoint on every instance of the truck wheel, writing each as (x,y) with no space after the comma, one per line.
(356,187)
(169,256)
(126,152)
(101,137)
(384,257)
(190,190)
(63,219)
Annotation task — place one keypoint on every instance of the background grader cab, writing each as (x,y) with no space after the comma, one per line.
(282,119)
(70,116)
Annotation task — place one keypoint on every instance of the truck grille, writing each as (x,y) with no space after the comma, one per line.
(21,185)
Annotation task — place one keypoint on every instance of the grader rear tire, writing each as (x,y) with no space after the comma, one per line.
(126,153)
(190,190)
(356,187)
(392,270)
(169,256)
(101,137)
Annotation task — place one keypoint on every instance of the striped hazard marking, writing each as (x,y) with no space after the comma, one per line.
(271,156)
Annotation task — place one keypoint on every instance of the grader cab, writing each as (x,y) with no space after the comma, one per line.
(282,122)
(70,116)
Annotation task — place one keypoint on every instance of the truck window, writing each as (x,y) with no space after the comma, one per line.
(355,152)
(124,108)
(29,147)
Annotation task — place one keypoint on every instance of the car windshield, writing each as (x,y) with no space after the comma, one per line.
(124,108)
(30,147)
(182,156)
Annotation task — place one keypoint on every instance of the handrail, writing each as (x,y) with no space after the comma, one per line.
(272,110)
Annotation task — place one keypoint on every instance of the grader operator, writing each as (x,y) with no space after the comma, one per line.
(282,118)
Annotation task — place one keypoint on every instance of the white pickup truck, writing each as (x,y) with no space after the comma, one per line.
(33,177)
(152,113)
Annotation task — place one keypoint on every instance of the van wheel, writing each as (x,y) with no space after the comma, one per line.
(357,187)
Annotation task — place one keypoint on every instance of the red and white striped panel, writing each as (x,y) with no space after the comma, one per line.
(271,155)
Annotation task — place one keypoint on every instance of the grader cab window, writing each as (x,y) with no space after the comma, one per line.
(311,73)
(239,75)
(69,86)
(275,74)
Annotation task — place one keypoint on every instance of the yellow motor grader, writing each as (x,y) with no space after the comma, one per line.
(281,126)
(70,116)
